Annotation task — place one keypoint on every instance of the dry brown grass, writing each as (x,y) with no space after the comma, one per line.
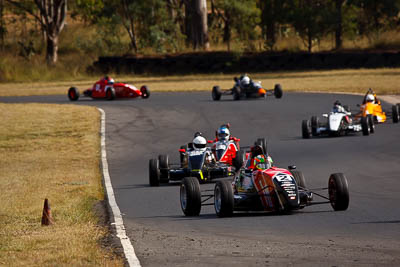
(50,151)
(383,81)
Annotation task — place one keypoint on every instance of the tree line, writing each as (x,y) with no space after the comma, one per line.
(161,24)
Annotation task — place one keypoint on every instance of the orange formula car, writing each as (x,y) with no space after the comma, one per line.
(371,105)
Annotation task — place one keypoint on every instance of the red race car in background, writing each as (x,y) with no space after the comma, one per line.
(105,88)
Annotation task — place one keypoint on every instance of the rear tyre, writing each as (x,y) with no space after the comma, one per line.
(182,155)
(238,161)
(299,177)
(190,196)
(263,143)
(278,92)
(395,113)
(314,125)
(365,125)
(154,172)
(306,129)
(73,94)
(145,91)
(236,93)
(164,168)
(110,94)
(223,198)
(216,93)
(338,190)
(371,123)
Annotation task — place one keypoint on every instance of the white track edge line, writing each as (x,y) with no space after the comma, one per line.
(129,251)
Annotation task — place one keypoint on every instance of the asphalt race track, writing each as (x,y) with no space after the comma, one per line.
(368,233)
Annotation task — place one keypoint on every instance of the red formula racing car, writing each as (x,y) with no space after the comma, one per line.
(259,186)
(105,88)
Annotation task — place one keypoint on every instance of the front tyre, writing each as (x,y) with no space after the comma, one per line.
(73,94)
(190,196)
(395,113)
(338,190)
(314,125)
(236,93)
(164,168)
(110,94)
(145,91)
(365,125)
(216,93)
(223,198)
(299,178)
(305,129)
(154,172)
(278,92)
(371,123)
(239,159)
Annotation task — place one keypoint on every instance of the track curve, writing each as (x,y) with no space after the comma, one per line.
(367,233)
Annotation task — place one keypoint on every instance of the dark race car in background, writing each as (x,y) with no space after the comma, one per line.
(200,165)
(251,90)
(105,88)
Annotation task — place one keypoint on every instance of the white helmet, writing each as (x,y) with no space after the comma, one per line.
(199,143)
(223,133)
(370,98)
(245,80)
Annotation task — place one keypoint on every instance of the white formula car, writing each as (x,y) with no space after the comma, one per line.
(338,122)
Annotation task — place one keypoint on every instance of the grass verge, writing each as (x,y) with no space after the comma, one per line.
(51,151)
(383,81)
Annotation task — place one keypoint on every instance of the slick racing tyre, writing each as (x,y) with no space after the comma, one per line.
(154,172)
(73,94)
(299,177)
(365,125)
(223,198)
(145,91)
(239,159)
(314,125)
(371,123)
(216,93)
(263,143)
(236,93)
(278,92)
(190,196)
(110,94)
(338,191)
(305,129)
(395,113)
(164,168)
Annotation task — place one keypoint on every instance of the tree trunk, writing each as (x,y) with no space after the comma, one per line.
(339,26)
(2,25)
(196,18)
(53,18)
(52,50)
(269,22)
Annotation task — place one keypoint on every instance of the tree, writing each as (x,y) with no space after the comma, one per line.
(242,16)
(196,23)
(376,15)
(3,28)
(273,12)
(52,18)
(310,18)
(339,23)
